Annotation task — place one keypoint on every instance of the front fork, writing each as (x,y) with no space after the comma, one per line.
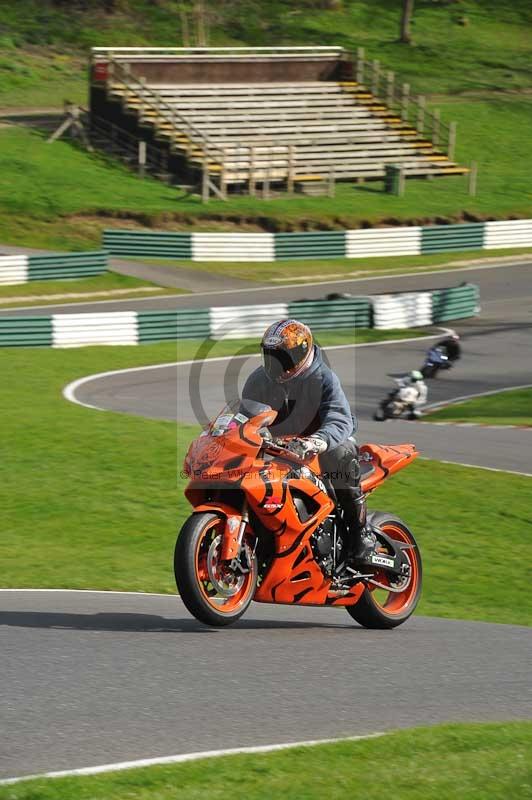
(233,537)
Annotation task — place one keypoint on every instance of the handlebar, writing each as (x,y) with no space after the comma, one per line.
(275,448)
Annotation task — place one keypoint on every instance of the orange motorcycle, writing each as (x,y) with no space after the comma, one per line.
(266,527)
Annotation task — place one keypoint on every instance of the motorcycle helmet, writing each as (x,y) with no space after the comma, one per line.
(416,375)
(287,350)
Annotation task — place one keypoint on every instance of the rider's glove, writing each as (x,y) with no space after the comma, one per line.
(308,446)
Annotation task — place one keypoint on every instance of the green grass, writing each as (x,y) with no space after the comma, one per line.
(470,46)
(504,408)
(470,762)
(91,500)
(65,196)
(47,292)
(327,269)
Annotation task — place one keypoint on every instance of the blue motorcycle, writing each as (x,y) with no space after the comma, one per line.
(435,360)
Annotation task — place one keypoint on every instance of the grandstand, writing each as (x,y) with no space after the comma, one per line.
(243,117)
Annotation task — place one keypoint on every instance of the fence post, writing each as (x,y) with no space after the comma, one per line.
(266,183)
(332,185)
(405,97)
(291,169)
(376,67)
(473,171)
(390,77)
(421,104)
(142,159)
(436,126)
(360,65)
(205,181)
(223,180)
(252,181)
(452,140)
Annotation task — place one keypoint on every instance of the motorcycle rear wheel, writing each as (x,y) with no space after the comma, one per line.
(211,590)
(378,608)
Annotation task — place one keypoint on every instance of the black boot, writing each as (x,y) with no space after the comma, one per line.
(361,539)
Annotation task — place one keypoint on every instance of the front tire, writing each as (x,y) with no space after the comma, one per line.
(381,609)
(213,593)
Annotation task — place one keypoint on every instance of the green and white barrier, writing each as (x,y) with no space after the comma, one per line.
(360,243)
(51,267)
(406,310)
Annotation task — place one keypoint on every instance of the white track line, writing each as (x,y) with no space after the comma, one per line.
(69,392)
(517,263)
(183,757)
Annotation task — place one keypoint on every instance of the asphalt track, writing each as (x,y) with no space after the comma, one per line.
(512,281)
(497,354)
(121,677)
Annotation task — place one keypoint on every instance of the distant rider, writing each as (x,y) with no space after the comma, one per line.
(413,391)
(450,346)
(310,401)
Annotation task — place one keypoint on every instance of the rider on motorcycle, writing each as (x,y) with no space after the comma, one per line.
(413,391)
(450,346)
(310,401)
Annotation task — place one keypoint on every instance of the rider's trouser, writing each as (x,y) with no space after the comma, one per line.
(342,466)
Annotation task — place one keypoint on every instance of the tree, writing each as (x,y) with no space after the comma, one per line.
(406,19)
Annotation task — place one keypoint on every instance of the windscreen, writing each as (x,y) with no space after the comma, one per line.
(235,414)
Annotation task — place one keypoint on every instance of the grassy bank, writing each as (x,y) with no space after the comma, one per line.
(90,499)
(488,761)
(80,290)
(470,46)
(504,408)
(70,195)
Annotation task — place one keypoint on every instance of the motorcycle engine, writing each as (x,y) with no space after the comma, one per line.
(323,546)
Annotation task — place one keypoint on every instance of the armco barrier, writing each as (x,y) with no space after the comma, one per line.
(333,314)
(456,303)
(159,326)
(239,322)
(446,238)
(408,310)
(146,243)
(13,270)
(383,242)
(236,322)
(322,244)
(509,233)
(76,330)
(51,267)
(359,243)
(26,332)
(236,247)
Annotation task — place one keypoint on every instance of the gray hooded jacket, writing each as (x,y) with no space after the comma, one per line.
(312,403)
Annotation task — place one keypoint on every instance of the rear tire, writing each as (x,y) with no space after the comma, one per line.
(196,565)
(373,612)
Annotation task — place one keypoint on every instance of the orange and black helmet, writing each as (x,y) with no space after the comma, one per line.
(287,349)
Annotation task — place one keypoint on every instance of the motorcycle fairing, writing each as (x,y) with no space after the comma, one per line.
(385,460)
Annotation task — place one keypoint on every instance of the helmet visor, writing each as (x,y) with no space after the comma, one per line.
(277,362)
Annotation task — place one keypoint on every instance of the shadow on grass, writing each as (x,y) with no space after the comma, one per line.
(141,623)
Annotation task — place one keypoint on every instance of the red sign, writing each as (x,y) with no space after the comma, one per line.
(100,71)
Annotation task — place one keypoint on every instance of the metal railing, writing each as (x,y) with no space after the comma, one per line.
(99,53)
(412,108)
(125,145)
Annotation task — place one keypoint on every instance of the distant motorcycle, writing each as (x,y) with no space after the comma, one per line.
(398,403)
(435,360)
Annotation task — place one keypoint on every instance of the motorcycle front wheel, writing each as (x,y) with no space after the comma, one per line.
(394,601)
(213,591)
